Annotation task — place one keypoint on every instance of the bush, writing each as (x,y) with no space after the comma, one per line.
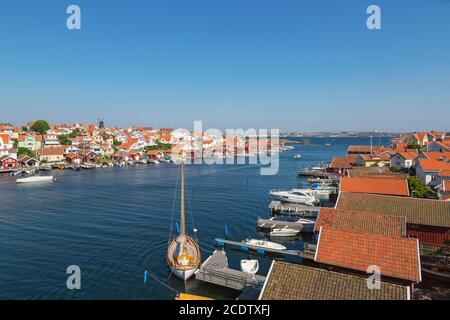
(25,152)
(417,188)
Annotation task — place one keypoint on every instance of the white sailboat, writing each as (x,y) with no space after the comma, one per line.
(183,254)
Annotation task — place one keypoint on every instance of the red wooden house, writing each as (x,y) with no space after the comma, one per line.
(8,163)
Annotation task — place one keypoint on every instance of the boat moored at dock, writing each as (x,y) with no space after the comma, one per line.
(265,244)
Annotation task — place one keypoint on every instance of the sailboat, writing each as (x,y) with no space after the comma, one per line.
(183,254)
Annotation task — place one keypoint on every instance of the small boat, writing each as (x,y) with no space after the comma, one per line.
(143,161)
(284,232)
(187,296)
(249,266)
(300,196)
(297,156)
(15,173)
(35,179)
(264,244)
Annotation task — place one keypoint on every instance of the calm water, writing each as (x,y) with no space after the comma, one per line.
(114,223)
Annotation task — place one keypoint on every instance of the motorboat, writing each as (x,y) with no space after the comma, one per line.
(297,156)
(284,232)
(35,179)
(250,266)
(264,244)
(307,224)
(295,196)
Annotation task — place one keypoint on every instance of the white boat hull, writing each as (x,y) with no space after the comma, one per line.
(284,233)
(35,179)
(183,274)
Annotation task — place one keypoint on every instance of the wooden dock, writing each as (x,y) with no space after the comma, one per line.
(278,207)
(215,270)
(314,174)
(307,254)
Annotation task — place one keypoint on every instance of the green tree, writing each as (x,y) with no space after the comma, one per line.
(64,140)
(417,188)
(159,146)
(40,126)
(25,152)
(76,132)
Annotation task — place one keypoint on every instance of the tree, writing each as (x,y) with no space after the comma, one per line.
(40,126)
(25,152)
(418,189)
(64,140)
(75,133)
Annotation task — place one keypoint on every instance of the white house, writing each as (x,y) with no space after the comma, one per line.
(403,160)
(429,171)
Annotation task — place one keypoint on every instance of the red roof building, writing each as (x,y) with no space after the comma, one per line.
(386,186)
(396,257)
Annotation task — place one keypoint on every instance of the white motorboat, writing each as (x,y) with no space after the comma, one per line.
(264,244)
(300,196)
(297,156)
(249,266)
(283,232)
(35,179)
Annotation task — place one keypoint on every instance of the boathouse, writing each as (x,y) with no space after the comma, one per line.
(358,253)
(288,281)
(426,220)
(357,221)
(375,185)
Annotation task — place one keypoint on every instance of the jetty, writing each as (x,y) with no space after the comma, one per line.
(215,270)
(314,173)
(307,253)
(278,207)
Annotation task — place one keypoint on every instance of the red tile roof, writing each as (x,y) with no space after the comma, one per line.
(434,165)
(437,155)
(387,186)
(396,257)
(4,137)
(408,155)
(129,143)
(362,149)
(52,151)
(357,221)
(444,173)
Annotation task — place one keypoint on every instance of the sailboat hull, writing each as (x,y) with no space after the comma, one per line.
(183,274)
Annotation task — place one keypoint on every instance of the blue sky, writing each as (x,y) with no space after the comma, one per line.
(292,65)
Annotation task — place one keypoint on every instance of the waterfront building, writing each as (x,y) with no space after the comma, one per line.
(426,220)
(27,162)
(51,154)
(8,163)
(288,281)
(349,251)
(358,221)
(375,185)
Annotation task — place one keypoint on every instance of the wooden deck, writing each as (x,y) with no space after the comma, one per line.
(307,254)
(215,270)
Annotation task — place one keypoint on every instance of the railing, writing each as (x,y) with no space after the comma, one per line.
(435,255)
(229,280)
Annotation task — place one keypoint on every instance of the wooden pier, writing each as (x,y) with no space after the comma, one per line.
(278,207)
(307,253)
(215,270)
(314,174)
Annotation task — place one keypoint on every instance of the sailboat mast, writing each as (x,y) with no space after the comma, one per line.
(182,222)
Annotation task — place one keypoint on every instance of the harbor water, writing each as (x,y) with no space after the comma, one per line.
(114,223)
